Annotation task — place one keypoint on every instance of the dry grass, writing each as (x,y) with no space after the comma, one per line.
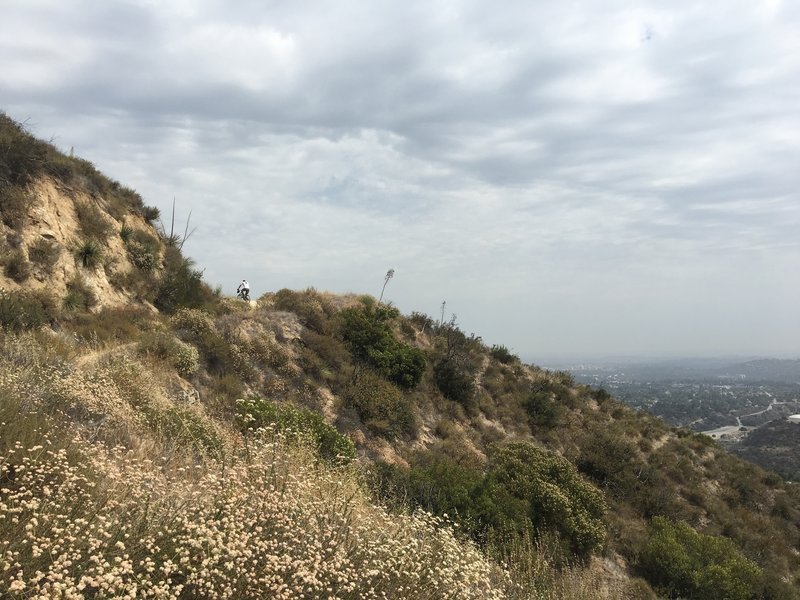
(85,519)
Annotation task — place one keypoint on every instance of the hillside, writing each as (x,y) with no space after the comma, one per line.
(775,445)
(160,440)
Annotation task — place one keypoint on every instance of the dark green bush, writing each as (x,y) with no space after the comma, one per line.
(454,382)
(555,495)
(441,485)
(89,254)
(601,395)
(682,562)
(521,487)
(611,461)
(20,311)
(368,333)
(367,329)
(22,157)
(329,444)
(381,406)
(503,354)
(16,266)
(544,407)
(151,214)
(181,285)
(400,363)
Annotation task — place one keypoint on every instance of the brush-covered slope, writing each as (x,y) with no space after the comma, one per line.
(316,445)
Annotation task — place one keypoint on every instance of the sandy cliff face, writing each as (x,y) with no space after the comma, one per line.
(53,216)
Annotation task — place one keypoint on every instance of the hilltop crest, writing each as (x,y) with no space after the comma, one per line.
(51,248)
(80,238)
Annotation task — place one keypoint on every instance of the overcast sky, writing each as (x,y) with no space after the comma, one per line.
(573,178)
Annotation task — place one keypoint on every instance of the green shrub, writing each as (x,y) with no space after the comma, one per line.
(611,461)
(126,233)
(192,320)
(554,494)
(14,204)
(311,309)
(366,329)
(683,562)
(89,254)
(601,395)
(44,253)
(255,413)
(444,486)
(181,285)
(454,382)
(16,266)
(543,406)
(22,156)
(21,311)
(94,224)
(382,407)
(368,333)
(143,248)
(400,363)
(79,295)
(151,214)
(182,356)
(503,354)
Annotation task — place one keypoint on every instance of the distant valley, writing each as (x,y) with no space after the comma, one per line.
(743,404)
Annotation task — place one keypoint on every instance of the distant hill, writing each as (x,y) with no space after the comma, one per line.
(775,445)
(689,369)
(768,369)
(160,439)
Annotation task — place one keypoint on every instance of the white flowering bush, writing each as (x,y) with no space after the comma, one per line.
(194,320)
(79,520)
(185,358)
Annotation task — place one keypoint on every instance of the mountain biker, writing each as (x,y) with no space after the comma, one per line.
(244,290)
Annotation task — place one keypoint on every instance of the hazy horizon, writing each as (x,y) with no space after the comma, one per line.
(572,179)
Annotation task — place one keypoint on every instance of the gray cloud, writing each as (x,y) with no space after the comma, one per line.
(579,178)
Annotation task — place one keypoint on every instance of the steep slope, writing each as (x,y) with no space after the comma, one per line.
(213,448)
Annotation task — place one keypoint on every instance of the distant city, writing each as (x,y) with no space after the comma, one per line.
(752,407)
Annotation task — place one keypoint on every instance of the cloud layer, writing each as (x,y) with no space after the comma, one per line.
(592,178)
